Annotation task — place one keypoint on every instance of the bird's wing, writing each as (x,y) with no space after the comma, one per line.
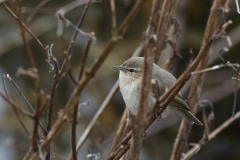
(177,100)
(179,103)
(162,84)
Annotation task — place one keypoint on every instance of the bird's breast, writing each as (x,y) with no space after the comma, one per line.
(130,95)
(131,90)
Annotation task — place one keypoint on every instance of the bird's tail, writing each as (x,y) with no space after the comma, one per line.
(189,116)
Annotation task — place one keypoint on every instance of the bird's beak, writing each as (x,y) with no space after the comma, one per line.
(117,67)
(120,68)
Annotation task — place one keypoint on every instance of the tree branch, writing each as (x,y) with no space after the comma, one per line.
(25,27)
(85,79)
(214,25)
(140,121)
(212,135)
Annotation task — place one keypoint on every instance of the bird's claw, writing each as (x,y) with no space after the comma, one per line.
(157,117)
(144,135)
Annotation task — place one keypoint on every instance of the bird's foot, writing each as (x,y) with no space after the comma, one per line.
(157,117)
(144,135)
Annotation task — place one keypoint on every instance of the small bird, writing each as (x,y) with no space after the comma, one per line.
(130,81)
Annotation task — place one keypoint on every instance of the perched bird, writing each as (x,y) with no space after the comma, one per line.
(130,81)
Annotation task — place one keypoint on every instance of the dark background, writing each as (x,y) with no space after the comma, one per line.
(192,16)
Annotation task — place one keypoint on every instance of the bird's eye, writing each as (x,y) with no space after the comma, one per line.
(131,70)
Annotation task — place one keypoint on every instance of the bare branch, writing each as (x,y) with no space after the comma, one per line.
(68,68)
(14,109)
(77,91)
(90,41)
(30,115)
(35,128)
(77,31)
(212,135)
(232,66)
(84,37)
(172,61)
(237,5)
(24,38)
(164,23)
(235,95)
(27,154)
(140,121)
(26,28)
(235,79)
(216,19)
(75,110)
(27,45)
(114,20)
(86,132)
(215,68)
(62,11)
(25,99)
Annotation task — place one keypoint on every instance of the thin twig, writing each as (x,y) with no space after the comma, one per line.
(15,110)
(140,120)
(30,115)
(113,10)
(120,131)
(236,85)
(212,135)
(235,95)
(84,58)
(25,99)
(75,110)
(164,23)
(78,89)
(216,19)
(27,154)
(4,85)
(96,116)
(62,11)
(214,68)
(174,89)
(26,28)
(76,33)
(73,132)
(154,18)
(35,128)
(232,66)
(50,104)
(52,61)
(59,74)
(235,79)
(68,68)
(25,41)
(237,5)
(172,61)
(82,35)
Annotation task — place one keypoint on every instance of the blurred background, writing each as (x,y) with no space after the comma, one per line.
(192,16)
